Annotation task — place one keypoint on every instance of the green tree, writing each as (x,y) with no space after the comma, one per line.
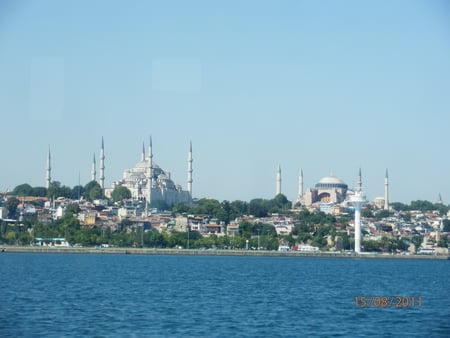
(39,192)
(181,208)
(382,214)
(399,206)
(120,193)
(446,224)
(422,205)
(93,191)
(57,190)
(280,203)
(367,212)
(22,190)
(258,207)
(77,192)
(417,241)
(238,208)
(11,204)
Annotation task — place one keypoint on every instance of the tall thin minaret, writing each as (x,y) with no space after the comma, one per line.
(102,165)
(143,152)
(278,190)
(48,175)
(189,170)
(300,185)
(93,170)
(386,191)
(150,171)
(358,199)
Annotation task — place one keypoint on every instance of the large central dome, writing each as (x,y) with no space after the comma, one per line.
(331,180)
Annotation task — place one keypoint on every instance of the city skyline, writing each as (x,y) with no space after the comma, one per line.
(321,87)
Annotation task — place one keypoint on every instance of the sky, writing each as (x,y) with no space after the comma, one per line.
(319,86)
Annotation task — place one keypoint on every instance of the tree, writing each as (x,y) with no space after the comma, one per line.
(258,207)
(11,204)
(399,206)
(57,190)
(180,208)
(422,205)
(93,191)
(382,214)
(22,190)
(77,192)
(417,241)
(280,202)
(446,224)
(120,193)
(367,212)
(39,192)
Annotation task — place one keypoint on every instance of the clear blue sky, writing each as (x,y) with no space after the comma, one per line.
(323,86)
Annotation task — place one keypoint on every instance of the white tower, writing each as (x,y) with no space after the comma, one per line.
(143,152)
(358,199)
(102,165)
(189,170)
(150,172)
(93,170)
(48,176)
(300,185)
(278,190)
(386,191)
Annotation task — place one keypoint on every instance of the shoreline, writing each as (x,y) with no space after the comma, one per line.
(196,252)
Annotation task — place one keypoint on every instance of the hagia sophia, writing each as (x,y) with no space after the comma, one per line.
(329,190)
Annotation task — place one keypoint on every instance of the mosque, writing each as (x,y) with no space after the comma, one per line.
(329,190)
(146,180)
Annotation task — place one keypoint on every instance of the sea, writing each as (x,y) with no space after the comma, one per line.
(109,295)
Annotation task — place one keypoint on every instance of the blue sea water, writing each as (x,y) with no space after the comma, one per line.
(90,295)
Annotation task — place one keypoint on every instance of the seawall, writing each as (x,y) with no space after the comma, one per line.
(194,252)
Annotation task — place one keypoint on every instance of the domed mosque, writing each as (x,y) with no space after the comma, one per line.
(329,189)
(148,181)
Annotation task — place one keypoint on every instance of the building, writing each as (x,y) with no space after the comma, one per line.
(147,181)
(330,189)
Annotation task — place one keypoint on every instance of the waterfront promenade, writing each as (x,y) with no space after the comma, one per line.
(196,252)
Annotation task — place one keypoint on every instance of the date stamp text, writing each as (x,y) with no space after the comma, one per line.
(388,301)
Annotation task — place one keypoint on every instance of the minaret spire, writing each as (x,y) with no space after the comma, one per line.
(93,170)
(150,172)
(48,176)
(189,170)
(143,152)
(386,191)
(278,190)
(102,165)
(300,185)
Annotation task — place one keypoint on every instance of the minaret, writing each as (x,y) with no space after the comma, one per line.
(150,172)
(278,191)
(93,170)
(386,191)
(358,199)
(189,170)
(143,152)
(300,185)
(102,166)
(48,176)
